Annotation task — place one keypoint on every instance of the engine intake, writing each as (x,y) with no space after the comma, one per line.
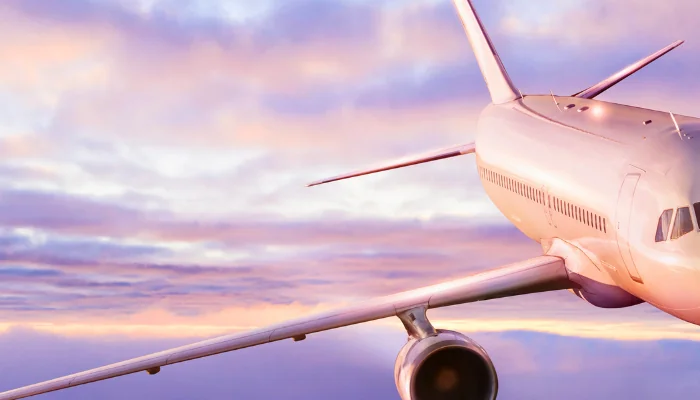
(448,366)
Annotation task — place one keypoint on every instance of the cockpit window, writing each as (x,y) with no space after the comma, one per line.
(683,224)
(664,225)
(697,213)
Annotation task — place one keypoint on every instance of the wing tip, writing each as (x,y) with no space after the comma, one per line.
(318,183)
(323,182)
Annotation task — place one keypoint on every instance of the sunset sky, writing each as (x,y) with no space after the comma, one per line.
(153,162)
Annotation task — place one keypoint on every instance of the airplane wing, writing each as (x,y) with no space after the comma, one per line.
(405,162)
(618,77)
(539,274)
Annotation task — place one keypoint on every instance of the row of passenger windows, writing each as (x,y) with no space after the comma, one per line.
(584,216)
(563,207)
(681,226)
(522,189)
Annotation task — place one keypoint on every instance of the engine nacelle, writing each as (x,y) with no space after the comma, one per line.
(449,366)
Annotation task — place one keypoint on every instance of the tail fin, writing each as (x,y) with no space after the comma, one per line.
(499,84)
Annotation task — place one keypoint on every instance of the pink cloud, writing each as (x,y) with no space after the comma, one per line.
(366,82)
(157,78)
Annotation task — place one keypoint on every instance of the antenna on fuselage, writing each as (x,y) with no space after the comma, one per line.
(678,128)
(555,101)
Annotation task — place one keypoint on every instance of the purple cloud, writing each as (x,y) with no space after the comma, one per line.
(358,363)
(154,107)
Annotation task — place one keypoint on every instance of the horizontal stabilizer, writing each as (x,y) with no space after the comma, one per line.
(405,162)
(613,80)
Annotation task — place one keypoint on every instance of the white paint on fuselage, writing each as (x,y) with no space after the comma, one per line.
(583,157)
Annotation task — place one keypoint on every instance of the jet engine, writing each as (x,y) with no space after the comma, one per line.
(446,366)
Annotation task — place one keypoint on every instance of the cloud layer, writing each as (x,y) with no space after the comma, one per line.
(153,162)
(358,363)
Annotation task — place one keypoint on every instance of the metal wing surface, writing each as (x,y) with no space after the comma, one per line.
(539,274)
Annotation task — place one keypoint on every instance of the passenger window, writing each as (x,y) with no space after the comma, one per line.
(683,224)
(663,226)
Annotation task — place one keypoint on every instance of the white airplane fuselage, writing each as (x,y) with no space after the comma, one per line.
(598,176)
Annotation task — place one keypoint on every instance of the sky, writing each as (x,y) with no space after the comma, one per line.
(153,162)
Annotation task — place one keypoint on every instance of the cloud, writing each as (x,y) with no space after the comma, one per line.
(104,256)
(530,366)
(154,161)
(80,215)
(229,82)
(96,255)
(56,211)
(641,19)
(303,38)
(155,104)
(297,383)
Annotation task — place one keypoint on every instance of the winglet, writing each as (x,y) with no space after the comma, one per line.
(616,78)
(499,84)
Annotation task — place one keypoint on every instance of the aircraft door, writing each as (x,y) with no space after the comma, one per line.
(548,213)
(623,215)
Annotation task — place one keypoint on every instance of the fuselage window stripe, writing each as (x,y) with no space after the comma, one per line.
(573,211)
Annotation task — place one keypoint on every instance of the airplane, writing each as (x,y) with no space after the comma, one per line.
(610,191)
